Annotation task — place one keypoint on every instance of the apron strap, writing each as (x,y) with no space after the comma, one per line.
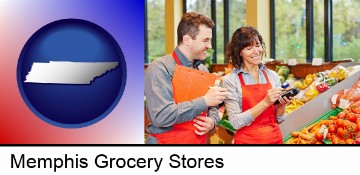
(242,82)
(267,78)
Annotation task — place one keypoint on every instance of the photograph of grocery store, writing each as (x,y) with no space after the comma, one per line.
(252,72)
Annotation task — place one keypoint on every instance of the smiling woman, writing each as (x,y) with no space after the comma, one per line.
(255,117)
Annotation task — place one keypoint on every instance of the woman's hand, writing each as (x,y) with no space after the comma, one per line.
(280,108)
(284,101)
(272,95)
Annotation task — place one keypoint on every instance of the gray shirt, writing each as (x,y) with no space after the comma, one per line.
(237,117)
(161,109)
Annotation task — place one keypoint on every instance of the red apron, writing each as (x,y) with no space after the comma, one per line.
(182,133)
(264,130)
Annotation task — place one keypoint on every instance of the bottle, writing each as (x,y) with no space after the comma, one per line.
(290,93)
(285,85)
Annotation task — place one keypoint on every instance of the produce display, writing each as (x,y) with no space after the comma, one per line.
(309,135)
(342,128)
(314,84)
(345,127)
(339,126)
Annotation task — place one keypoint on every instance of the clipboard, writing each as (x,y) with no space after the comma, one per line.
(189,84)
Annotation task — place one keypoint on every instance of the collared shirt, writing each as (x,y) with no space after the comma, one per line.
(161,109)
(233,102)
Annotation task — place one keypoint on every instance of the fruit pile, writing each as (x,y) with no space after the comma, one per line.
(312,134)
(315,84)
(345,128)
(294,104)
(283,72)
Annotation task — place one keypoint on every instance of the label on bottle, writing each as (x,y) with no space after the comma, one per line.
(285,85)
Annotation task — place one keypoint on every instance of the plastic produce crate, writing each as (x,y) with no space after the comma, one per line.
(326,116)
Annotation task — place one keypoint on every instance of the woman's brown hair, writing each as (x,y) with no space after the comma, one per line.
(242,38)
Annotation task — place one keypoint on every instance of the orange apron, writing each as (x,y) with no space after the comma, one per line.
(264,130)
(182,133)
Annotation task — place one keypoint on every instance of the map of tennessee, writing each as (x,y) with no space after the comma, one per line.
(66,72)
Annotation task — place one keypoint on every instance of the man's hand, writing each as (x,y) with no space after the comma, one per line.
(203,125)
(215,95)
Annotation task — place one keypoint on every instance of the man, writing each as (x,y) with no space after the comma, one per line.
(194,39)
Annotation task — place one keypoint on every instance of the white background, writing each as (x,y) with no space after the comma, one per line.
(237,159)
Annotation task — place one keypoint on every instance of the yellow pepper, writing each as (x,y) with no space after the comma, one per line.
(301,85)
(309,79)
(332,74)
(342,74)
(311,93)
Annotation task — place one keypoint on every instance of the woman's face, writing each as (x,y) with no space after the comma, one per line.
(252,54)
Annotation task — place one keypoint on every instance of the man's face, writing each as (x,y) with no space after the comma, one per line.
(201,43)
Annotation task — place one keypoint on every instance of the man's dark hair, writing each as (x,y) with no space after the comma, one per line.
(189,25)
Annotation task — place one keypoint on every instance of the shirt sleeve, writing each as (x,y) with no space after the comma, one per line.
(214,115)
(237,118)
(162,110)
(281,118)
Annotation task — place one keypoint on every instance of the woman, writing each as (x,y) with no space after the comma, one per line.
(252,91)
